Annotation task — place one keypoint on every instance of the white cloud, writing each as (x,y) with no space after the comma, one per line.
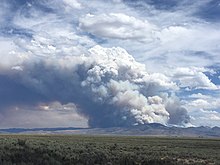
(117,1)
(57,106)
(73,4)
(199,96)
(200,104)
(117,26)
(207,118)
(204,109)
(7,51)
(188,37)
(211,103)
(192,78)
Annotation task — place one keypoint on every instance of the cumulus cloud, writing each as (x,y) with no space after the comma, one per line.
(205,102)
(204,108)
(193,78)
(202,117)
(118,26)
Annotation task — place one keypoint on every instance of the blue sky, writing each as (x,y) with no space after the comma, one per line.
(109,63)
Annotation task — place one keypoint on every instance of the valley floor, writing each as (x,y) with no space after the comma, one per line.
(89,150)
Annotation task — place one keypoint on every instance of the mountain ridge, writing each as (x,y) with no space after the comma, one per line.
(152,129)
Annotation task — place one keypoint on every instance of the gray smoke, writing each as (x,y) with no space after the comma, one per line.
(108,86)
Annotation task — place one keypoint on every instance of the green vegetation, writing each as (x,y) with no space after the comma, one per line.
(89,150)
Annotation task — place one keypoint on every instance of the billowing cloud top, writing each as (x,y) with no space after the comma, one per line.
(109,63)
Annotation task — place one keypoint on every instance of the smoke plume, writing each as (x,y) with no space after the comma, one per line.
(108,86)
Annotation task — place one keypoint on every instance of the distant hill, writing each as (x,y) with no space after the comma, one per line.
(153,129)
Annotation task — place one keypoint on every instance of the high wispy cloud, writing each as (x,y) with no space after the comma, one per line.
(109,63)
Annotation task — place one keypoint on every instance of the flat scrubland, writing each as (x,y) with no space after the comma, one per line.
(89,150)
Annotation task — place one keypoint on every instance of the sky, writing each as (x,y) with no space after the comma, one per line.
(78,63)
